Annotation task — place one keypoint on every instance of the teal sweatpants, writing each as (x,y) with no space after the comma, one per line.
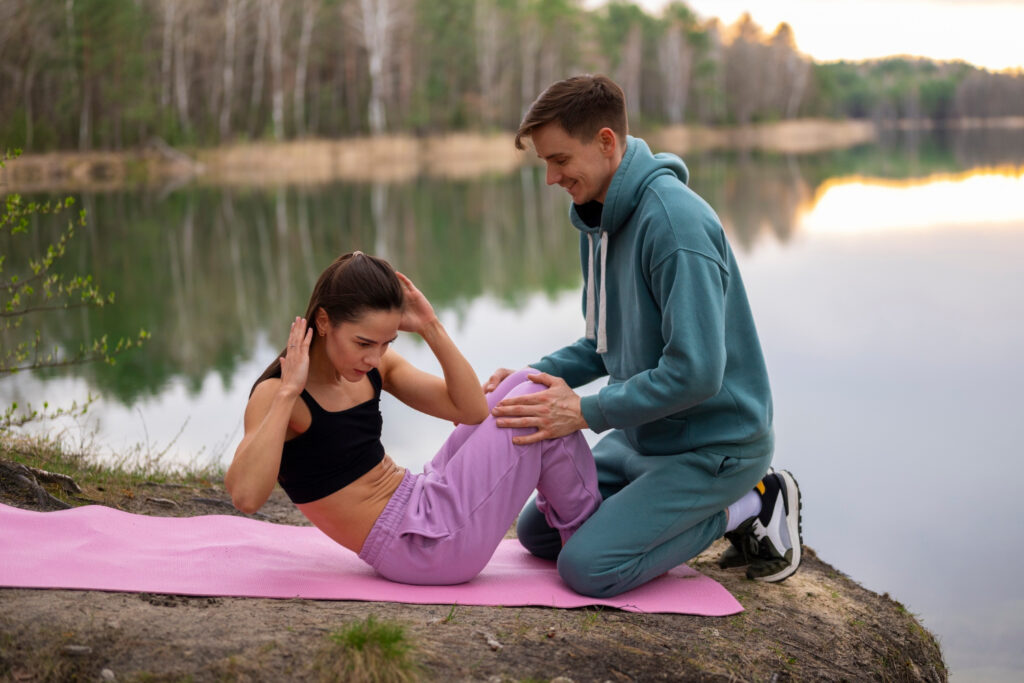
(658,511)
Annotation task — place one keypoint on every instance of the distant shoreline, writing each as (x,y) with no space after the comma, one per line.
(400,158)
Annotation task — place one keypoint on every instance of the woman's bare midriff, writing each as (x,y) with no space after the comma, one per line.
(348,515)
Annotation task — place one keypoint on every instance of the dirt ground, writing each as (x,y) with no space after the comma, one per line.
(817,625)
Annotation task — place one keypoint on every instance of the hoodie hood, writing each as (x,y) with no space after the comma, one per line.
(636,171)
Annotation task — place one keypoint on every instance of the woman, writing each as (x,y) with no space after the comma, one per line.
(437,527)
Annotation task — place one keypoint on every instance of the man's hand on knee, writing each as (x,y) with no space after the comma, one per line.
(554,412)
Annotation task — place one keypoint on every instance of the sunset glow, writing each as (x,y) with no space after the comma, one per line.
(983,199)
(982,32)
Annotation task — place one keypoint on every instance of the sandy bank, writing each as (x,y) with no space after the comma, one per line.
(803,136)
(387,159)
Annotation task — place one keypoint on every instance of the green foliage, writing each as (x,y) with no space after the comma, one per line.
(371,651)
(13,416)
(34,287)
(438,103)
(615,24)
(914,88)
(938,97)
(115,73)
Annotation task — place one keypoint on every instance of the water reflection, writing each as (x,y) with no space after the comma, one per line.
(985,199)
(895,364)
(210,271)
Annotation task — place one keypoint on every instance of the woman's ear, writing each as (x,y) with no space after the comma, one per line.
(321,321)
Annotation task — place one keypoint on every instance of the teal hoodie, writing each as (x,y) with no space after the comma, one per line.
(683,360)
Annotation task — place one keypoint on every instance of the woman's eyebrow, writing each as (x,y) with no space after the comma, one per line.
(374,341)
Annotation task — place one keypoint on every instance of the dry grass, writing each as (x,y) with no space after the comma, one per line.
(787,137)
(388,159)
(393,158)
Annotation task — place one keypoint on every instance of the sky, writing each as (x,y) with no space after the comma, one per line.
(982,32)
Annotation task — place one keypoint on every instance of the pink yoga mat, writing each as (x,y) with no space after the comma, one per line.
(99,548)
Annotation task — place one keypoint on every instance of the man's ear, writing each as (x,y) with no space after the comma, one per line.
(608,142)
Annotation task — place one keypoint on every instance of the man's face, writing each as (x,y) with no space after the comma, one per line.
(584,169)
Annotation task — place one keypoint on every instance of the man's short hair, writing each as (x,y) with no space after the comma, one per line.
(582,105)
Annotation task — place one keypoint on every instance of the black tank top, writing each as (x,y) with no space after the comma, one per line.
(337,449)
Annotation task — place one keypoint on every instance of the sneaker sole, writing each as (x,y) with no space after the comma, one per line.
(793,524)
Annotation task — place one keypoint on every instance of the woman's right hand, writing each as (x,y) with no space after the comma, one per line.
(295,361)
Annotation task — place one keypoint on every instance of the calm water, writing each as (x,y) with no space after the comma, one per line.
(885,281)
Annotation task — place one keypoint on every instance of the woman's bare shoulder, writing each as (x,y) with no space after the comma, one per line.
(262,395)
(267,387)
(389,362)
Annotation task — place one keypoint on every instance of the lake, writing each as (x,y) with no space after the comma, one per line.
(885,280)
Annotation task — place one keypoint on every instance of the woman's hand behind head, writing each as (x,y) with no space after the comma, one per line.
(417,312)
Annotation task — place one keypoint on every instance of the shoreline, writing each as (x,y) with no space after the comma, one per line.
(402,158)
(386,159)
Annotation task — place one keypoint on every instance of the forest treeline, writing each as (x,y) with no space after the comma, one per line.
(111,74)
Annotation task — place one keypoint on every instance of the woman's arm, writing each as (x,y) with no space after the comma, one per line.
(253,471)
(458,397)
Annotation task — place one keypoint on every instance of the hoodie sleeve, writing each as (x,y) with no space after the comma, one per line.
(690,289)
(576,363)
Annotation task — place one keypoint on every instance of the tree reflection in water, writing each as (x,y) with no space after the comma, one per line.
(210,270)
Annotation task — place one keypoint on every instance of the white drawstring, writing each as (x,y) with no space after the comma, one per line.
(590,287)
(602,334)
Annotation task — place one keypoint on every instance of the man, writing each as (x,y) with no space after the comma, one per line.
(687,402)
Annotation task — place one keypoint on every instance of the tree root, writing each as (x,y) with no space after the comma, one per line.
(62,480)
(22,483)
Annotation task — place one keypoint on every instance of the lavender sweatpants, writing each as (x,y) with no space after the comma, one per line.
(442,526)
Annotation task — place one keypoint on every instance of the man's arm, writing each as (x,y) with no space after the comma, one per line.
(577,363)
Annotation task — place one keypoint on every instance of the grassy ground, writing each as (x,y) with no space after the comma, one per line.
(817,625)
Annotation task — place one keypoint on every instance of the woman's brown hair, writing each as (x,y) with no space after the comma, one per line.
(350,287)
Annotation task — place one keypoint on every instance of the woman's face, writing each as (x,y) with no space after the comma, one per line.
(355,348)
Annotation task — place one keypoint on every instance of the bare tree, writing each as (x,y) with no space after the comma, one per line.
(276,67)
(301,62)
(675,59)
(377,23)
(713,66)
(259,57)
(787,73)
(630,70)
(488,22)
(744,85)
(170,9)
(348,83)
(799,72)
(85,85)
(228,74)
(529,45)
(20,60)
(181,70)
